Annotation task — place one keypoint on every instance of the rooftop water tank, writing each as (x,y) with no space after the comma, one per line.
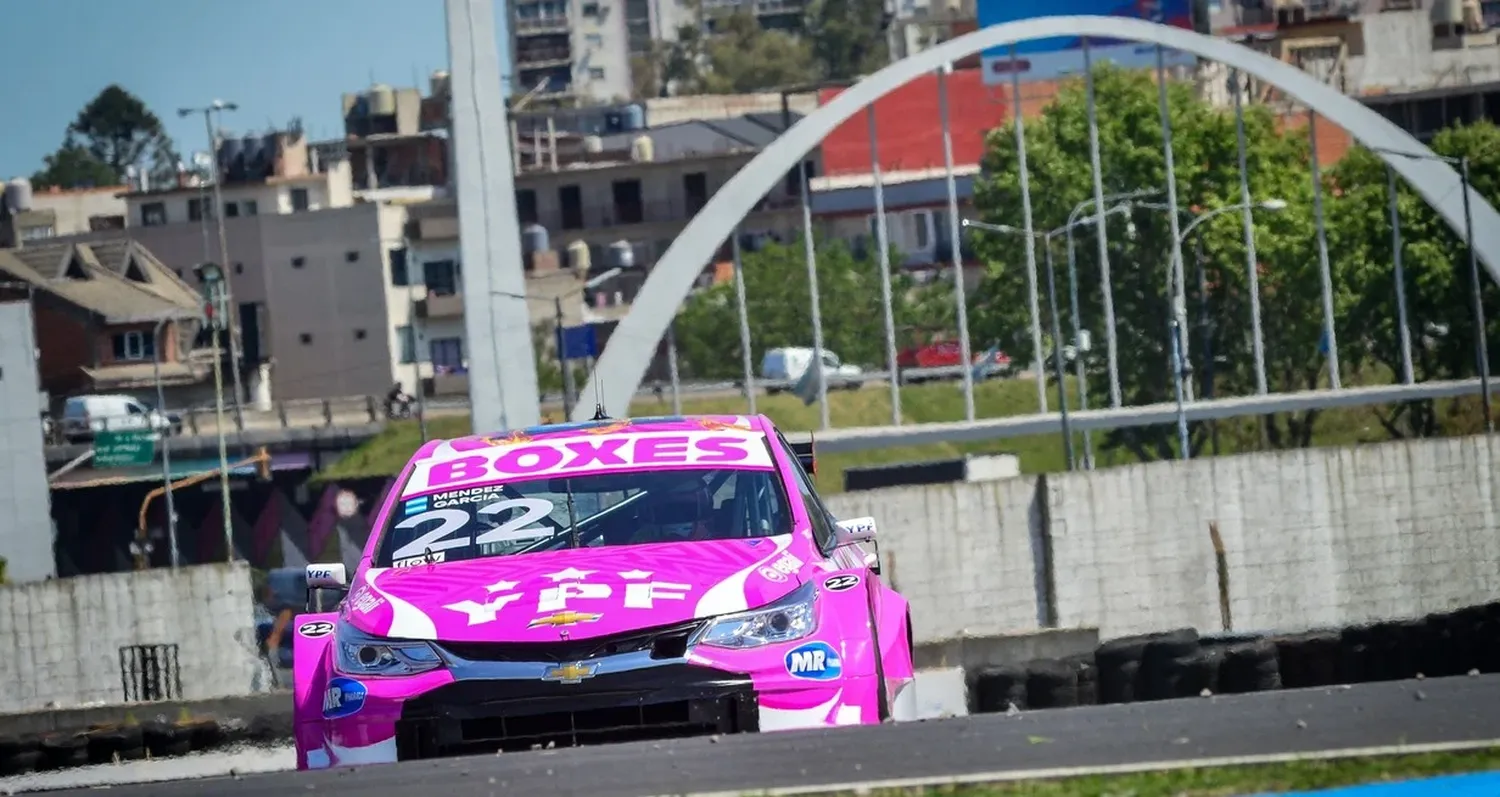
(256,157)
(621,255)
(633,117)
(534,239)
(1448,12)
(593,144)
(382,100)
(642,149)
(18,194)
(232,158)
(437,85)
(580,259)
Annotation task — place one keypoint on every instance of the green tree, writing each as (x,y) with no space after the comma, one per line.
(847,37)
(1207,178)
(1437,285)
(739,56)
(116,131)
(73,166)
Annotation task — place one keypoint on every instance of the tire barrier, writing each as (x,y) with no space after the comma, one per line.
(1180,663)
(107,744)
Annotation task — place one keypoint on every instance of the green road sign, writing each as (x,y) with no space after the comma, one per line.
(124,449)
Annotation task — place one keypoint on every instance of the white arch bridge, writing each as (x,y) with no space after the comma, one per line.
(622,366)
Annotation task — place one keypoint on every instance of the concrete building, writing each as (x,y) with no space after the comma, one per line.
(28,215)
(27,535)
(395,138)
(95,307)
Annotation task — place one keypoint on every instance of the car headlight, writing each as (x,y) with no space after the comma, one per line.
(358,653)
(790,618)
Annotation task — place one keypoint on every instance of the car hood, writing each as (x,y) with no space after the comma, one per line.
(577,594)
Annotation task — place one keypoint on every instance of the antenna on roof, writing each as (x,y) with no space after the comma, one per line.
(599,413)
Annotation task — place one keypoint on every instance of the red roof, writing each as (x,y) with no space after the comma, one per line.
(909,127)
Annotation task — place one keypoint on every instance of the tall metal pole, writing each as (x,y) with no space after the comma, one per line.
(166,452)
(882,243)
(1031,287)
(562,359)
(955,236)
(1078,364)
(1179,296)
(812,289)
(416,363)
(1324,272)
(1252,263)
(1178,366)
(1100,224)
(231,318)
(1057,364)
(743,311)
(225,507)
(1402,326)
(672,373)
(1482,348)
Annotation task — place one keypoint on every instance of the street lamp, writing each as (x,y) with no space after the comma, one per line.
(166,454)
(219,107)
(557,308)
(1057,346)
(212,277)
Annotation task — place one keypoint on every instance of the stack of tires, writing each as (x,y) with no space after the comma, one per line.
(22,754)
(1180,663)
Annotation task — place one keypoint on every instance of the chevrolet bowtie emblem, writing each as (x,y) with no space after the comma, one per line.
(564,618)
(571,673)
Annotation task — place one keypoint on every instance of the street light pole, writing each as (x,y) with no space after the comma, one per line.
(166,453)
(593,282)
(213,278)
(219,107)
(1057,347)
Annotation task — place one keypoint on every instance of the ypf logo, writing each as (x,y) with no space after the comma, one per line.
(815,661)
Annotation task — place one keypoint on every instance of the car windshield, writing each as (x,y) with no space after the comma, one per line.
(592,510)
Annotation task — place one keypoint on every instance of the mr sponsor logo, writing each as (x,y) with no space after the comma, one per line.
(539,458)
(344,698)
(815,661)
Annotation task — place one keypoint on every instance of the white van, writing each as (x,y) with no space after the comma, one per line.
(86,416)
(786,365)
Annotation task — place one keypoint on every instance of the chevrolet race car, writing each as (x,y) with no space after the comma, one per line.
(601,581)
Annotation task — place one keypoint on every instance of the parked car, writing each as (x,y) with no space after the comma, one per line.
(947,354)
(783,367)
(86,416)
(584,582)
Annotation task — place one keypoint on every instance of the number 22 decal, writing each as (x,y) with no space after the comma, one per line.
(454,520)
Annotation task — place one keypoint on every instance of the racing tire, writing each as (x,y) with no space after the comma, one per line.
(1119,664)
(1185,676)
(1309,660)
(1088,678)
(1250,667)
(163,740)
(1051,684)
(22,762)
(996,688)
(1161,662)
(64,750)
(1356,656)
(107,743)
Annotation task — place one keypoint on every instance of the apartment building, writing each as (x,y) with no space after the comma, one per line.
(28,215)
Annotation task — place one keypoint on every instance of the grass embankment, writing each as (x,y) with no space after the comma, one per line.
(1226,781)
(388,452)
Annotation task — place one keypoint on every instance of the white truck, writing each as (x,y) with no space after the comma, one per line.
(781,368)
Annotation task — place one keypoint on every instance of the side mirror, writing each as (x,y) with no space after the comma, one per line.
(849,532)
(326,584)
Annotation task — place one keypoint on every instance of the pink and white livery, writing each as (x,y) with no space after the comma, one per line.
(599,581)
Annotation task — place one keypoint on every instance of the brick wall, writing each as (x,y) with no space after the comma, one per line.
(1313,537)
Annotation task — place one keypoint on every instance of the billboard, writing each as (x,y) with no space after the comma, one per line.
(1049,59)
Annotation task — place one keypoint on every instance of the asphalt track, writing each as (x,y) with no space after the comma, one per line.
(1303,721)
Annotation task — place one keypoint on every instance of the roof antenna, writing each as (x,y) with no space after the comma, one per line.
(599,413)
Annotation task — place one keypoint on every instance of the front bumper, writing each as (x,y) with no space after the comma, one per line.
(666,701)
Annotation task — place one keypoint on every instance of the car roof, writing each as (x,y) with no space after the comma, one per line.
(651,423)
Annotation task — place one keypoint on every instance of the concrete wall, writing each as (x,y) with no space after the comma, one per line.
(26,505)
(1313,538)
(60,640)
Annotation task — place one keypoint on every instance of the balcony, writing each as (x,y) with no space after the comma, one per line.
(543,57)
(676,210)
(435,228)
(540,26)
(441,306)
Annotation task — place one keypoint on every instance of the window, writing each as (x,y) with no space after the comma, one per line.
(399,276)
(351,256)
(200,209)
(441,277)
(359,334)
(306,338)
(406,338)
(250,207)
(299,262)
(596,73)
(447,353)
(134,346)
(153,214)
(299,199)
(526,206)
(231,210)
(38,233)
(822,520)
(590,9)
(239,268)
(594,40)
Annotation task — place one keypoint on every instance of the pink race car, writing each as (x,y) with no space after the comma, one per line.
(600,581)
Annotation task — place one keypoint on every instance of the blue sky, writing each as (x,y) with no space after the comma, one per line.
(277,59)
